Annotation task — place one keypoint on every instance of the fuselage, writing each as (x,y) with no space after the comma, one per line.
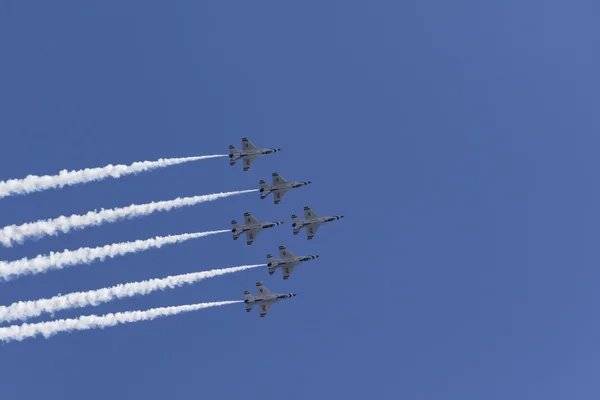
(290,261)
(285,186)
(254,152)
(247,228)
(318,221)
(271,298)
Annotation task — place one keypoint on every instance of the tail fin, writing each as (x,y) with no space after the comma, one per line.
(250,300)
(232,158)
(235,229)
(295,224)
(270,264)
(264,189)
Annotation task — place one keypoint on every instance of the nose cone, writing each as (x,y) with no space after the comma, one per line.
(278,149)
(280,222)
(293,294)
(308,182)
(341,216)
(317,256)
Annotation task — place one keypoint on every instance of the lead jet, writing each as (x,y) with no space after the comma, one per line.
(279,187)
(249,153)
(251,229)
(312,221)
(287,262)
(264,298)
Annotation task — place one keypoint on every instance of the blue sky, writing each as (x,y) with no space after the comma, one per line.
(459,140)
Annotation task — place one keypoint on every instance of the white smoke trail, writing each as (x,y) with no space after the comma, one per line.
(86,322)
(85,255)
(35,183)
(18,233)
(27,309)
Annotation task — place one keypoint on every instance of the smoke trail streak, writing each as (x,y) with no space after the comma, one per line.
(35,183)
(23,310)
(19,233)
(86,322)
(85,255)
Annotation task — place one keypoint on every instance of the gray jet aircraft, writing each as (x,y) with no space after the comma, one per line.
(279,188)
(249,153)
(287,262)
(251,229)
(312,221)
(264,298)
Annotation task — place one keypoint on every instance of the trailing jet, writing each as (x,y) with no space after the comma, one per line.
(264,298)
(279,187)
(287,262)
(312,221)
(249,153)
(251,229)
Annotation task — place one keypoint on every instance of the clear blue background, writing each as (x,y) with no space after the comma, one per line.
(460,139)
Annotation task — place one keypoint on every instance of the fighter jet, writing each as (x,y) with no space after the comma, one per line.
(251,229)
(279,188)
(264,298)
(287,262)
(249,153)
(312,221)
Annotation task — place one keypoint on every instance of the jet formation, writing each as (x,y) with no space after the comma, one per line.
(252,227)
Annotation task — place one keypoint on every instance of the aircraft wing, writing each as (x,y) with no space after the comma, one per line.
(261,289)
(278,195)
(278,179)
(248,162)
(247,145)
(263,308)
(249,219)
(311,230)
(251,236)
(285,253)
(309,213)
(287,271)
